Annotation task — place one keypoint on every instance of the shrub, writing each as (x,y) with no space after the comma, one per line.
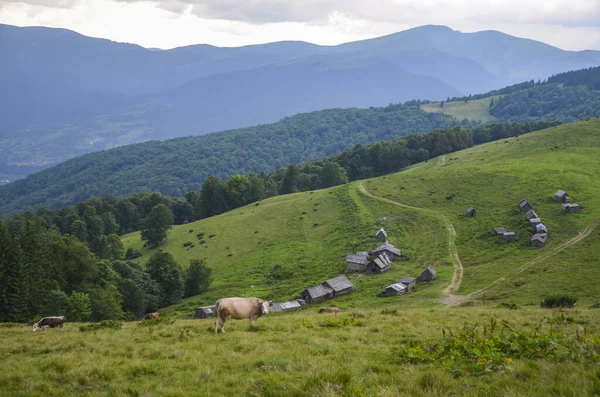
(187,243)
(558,301)
(156,321)
(104,324)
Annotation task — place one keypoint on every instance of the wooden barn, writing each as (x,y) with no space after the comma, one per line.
(509,236)
(410,283)
(531,214)
(288,306)
(331,288)
(538,240)
(428,274)
(205,312)
(562,196)
(395,289)
(524,205)
(381,235)
(380,264)
(392,252)
(471,212)
(572,208)
(357,262)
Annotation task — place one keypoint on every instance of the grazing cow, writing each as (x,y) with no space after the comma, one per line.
(51,322)
(334,310)
(239,309)
(150,316)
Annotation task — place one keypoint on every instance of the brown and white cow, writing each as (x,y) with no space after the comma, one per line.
(51,322)
(150,316)
(239,309)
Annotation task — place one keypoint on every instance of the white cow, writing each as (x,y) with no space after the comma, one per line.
(239,309)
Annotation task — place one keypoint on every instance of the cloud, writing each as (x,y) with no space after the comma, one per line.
(43,3)
(564,12)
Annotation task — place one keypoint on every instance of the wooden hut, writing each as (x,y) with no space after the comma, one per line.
(471,212)
(410,282)
(541,228)
(392,252)
(205,311)
(381,235)
(500,231)
(530,215)
(534,221)
(380,264)
(395,289)
(538,240)
(340,285)
(357,262)
(524,205)
(572,208)
(317,294)
(428,274)
(509,236)
(562,196)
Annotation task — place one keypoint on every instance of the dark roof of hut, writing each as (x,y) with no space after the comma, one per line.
(319,290)
(387,247)
(397,287)
(339,283)
(358,258)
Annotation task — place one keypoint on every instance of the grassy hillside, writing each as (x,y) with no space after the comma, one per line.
(358,353)
(473,110)
(310,233)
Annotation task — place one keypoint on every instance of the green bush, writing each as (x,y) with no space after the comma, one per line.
(104,324)
(558,301)
(156,321)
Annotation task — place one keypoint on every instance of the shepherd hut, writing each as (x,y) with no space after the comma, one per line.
(471,212)
(205,311)
(380,264)
(392,252)
(524,205)
(428,274)
(357,262)
(381,235)
(395,289)
(410,282)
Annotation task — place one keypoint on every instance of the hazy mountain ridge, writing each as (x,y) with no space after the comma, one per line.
(66,94)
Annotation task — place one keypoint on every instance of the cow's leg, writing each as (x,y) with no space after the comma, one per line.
(223,325)
(217,321)
(252,321)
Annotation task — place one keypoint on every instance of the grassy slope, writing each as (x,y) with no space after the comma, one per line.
(297,354)
(493,178)
(472,110)
(250,241)
(284,355)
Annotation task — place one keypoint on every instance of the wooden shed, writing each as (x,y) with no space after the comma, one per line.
(392,252)
(500,231)
(205,311)
(524,205)
(380,264)
(395,289)
(509,236)
(471,212)
(531,214)
(428,274)
(572,208)
(540,228)
(288,306)
(538,240)
(357,262)
(340,285)
(562,196)
(381,235)
(410,282)
(317,294)
(534,221)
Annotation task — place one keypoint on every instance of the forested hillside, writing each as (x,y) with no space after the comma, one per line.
(176,166)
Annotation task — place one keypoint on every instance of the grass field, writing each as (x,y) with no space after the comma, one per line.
(411,345)
(472,110)
(357,353)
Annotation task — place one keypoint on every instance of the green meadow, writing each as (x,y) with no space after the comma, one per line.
(440,339)
(472,110)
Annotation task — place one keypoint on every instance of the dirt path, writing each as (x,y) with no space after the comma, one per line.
(447,295)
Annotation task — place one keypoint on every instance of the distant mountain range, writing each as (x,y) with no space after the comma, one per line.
(64,94)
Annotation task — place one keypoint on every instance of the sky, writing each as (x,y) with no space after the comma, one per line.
(567,24)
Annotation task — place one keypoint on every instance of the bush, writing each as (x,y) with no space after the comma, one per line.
(79,307)
(156,321)
(104,324)
(558,301)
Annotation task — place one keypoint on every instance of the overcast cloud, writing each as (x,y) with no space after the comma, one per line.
(568,24)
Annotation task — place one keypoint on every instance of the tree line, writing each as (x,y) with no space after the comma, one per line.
(45,273)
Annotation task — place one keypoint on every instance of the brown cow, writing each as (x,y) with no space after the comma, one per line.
(150,316)
(51,322)
(334,310)
(239,309)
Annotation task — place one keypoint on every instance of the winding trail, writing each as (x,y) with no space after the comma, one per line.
(449,296)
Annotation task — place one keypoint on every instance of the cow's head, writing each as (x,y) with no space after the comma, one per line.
(35,327)
(264,308)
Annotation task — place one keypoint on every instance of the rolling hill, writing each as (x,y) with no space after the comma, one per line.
(303,238)
(92,94)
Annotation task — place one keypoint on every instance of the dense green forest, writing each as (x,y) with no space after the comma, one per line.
(71,261)
(173,167)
